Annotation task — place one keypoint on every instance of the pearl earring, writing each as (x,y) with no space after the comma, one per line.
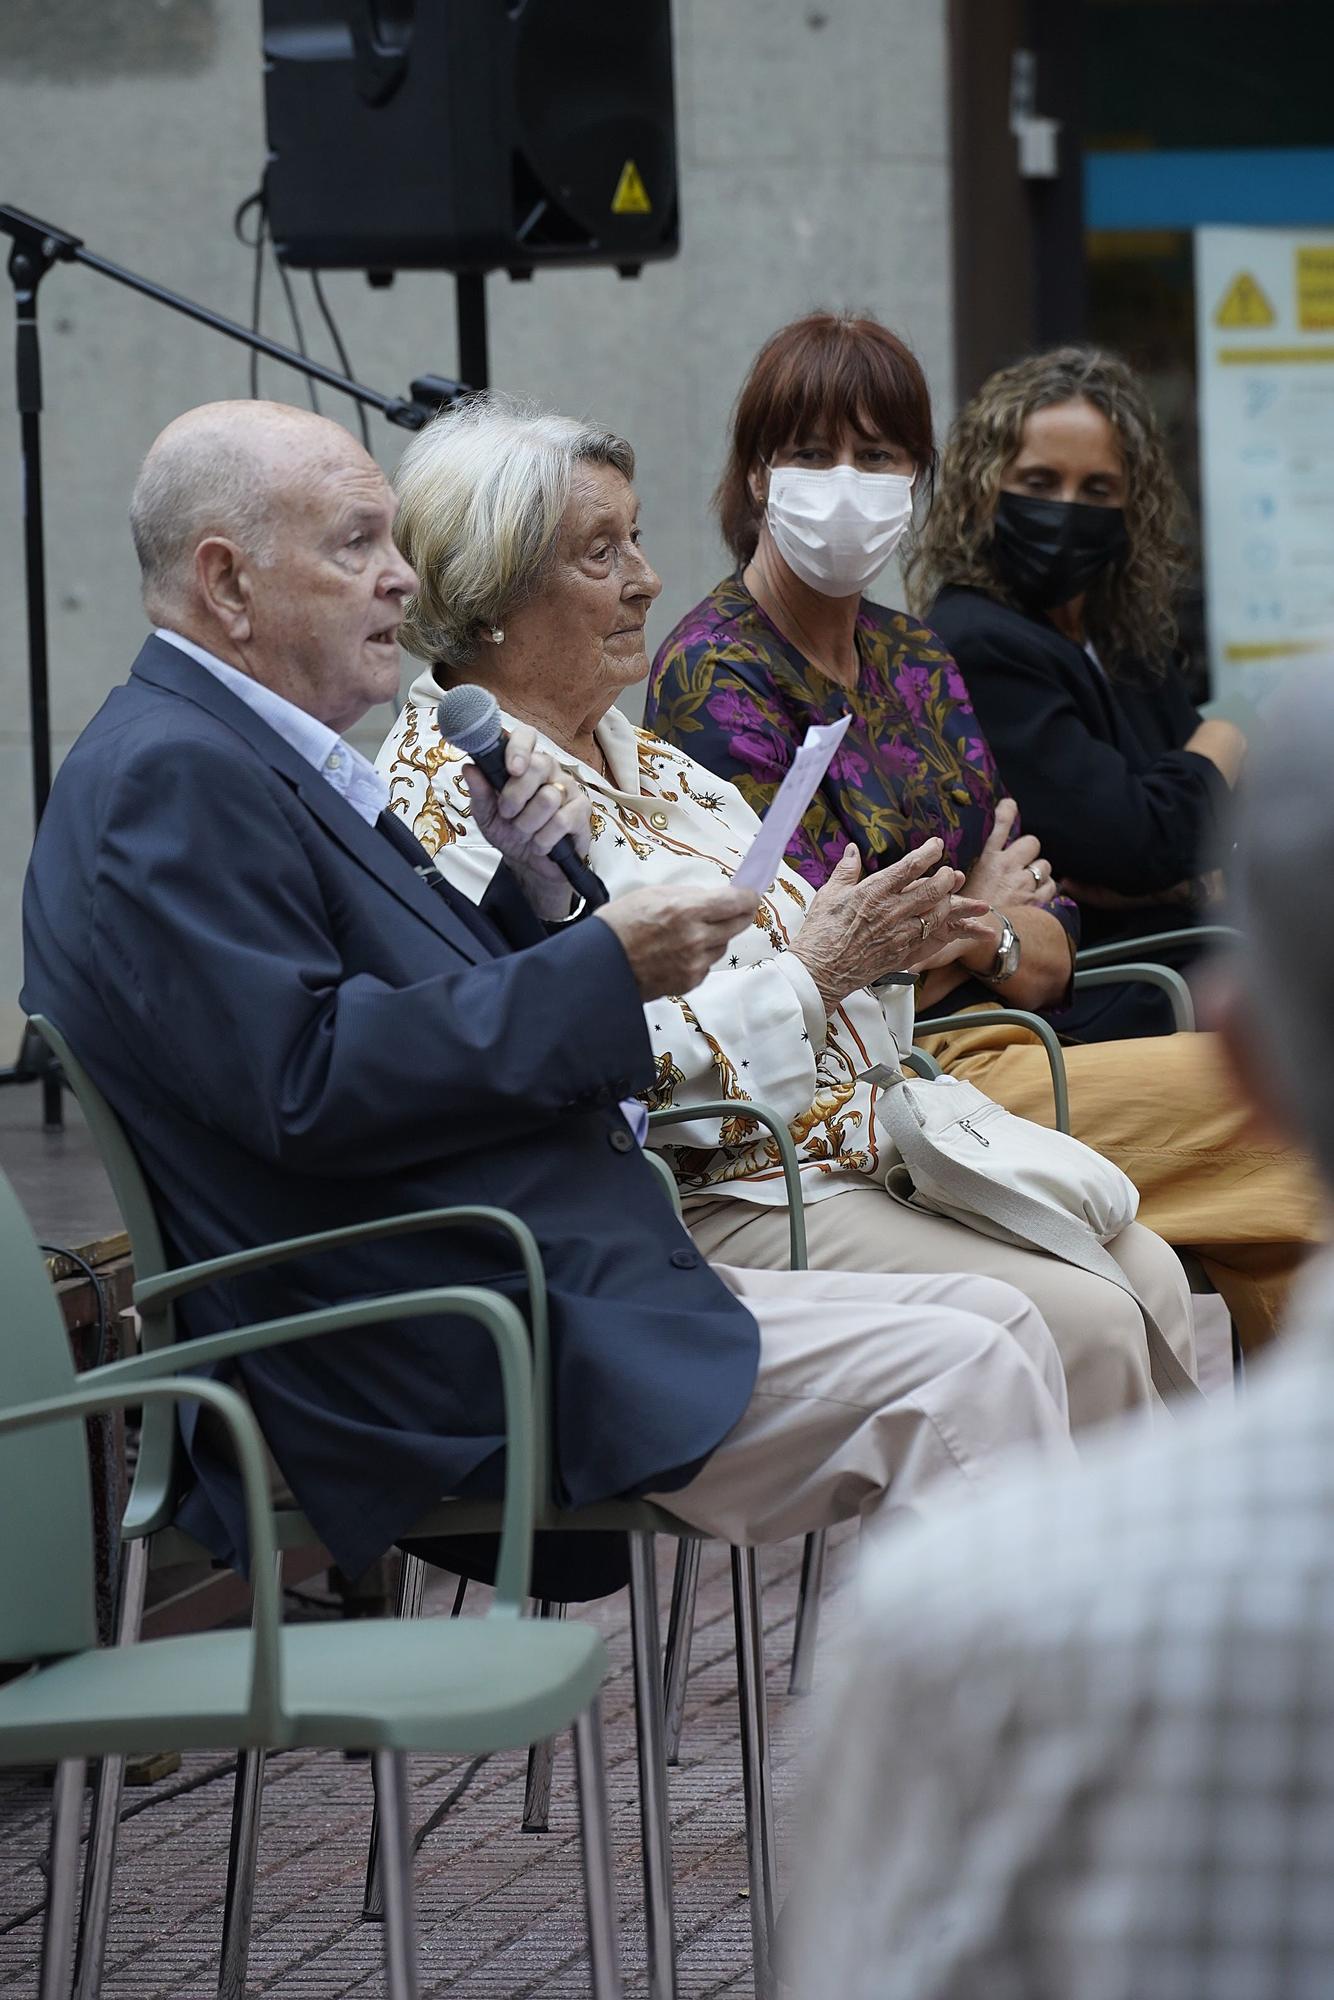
(497,636)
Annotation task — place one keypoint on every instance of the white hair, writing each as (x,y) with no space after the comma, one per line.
(482,493)
(193,484)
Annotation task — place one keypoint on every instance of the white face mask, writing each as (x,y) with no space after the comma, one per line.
(837,527)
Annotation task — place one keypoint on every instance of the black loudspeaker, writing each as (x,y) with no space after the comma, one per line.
(470,135)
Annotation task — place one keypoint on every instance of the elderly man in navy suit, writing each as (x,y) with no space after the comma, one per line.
(301,1026)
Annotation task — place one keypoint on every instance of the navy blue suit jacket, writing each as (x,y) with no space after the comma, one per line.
(298,1032)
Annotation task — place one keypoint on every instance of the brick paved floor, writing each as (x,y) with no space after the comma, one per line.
(499,1911)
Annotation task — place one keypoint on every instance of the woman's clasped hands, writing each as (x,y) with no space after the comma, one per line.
(898,920)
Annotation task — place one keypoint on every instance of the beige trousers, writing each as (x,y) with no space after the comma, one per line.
(873,1397)
(1098,1330)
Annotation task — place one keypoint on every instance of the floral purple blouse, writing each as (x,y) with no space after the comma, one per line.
(730,689)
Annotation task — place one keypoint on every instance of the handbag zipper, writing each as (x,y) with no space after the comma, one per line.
(966,1125)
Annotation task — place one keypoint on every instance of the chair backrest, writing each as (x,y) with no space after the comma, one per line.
(46,1550)
(157,1470)
(117,1155)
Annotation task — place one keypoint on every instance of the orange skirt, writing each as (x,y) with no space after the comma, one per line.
(1167,1110)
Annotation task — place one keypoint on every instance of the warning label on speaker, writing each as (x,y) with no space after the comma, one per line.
(631,196)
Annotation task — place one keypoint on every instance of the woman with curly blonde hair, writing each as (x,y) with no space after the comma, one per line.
(1052,560)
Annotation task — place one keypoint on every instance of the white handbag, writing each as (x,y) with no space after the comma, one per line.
(962,1155)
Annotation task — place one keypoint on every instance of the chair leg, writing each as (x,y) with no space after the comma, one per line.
(108,1788)
(541,1756)
(756,1772)
(239,1908)
(407,1604)
(658,1915)
(62,1890)
(680,1633)
(400,1930)
(595,1835)
(808,1613)
(242,1859)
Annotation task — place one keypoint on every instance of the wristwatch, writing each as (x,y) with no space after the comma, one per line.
(1006,962)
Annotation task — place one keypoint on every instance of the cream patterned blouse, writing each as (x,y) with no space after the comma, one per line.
(756,1027)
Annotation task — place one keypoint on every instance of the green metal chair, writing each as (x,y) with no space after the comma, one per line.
(445,1686)
(1128,961)
(1142,958)
(149,1536)
(1192,939)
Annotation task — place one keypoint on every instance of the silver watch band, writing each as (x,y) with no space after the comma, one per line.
(1006,962)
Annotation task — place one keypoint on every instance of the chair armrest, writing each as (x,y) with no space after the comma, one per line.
(1014,1017)
(668,1178)
(175,1284)
(1164,977)
(92,1398)
(527,1424)
(1193,937)
(154,1293)
(922,1064)
(746,1107)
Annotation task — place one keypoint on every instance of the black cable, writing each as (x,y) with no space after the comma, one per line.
(258,201)
(103,1324)
(340,350)
(255,243)
(286,280)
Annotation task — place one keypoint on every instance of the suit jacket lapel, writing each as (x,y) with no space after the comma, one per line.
(448,912)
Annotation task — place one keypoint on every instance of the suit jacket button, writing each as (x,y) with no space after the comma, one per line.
(685,1260)
(620,1140)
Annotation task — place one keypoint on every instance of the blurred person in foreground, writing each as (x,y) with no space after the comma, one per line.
(831,448)
(523,529)
(1049,566)
(1080,1745)
(303,1027)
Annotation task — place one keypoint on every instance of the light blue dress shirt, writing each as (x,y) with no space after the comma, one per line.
(352,776)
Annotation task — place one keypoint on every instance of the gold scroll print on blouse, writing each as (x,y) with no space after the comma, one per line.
(446,811)
(825,1134)
(425,758)
(657,758)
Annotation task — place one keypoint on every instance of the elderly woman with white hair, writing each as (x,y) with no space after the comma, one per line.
(523,528)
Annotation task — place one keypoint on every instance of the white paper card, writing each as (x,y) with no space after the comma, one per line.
(789,804)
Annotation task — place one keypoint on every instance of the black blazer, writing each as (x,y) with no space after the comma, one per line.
(299,1032)
(1100,776)
(1096,765)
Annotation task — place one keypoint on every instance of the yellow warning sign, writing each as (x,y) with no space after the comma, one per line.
(1244,303)
(631,196)
(1315,288)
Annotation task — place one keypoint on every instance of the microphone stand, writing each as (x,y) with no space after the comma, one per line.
(37,246)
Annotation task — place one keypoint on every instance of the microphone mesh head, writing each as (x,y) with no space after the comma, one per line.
(469,718)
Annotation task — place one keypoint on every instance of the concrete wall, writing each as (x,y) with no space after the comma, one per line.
(814,169)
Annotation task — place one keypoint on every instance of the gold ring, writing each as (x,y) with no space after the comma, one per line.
(926,929)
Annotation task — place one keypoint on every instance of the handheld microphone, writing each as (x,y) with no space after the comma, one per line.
(469,718)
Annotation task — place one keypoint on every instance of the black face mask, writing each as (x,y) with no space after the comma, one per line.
(1049,551)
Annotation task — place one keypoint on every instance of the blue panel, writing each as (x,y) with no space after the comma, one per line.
(1178,190)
